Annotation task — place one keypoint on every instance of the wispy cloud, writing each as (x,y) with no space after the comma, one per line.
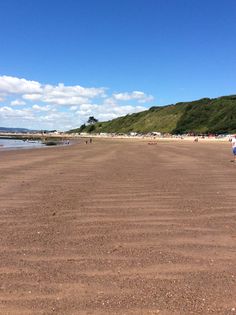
(141,97)
(17,103)
(44,108)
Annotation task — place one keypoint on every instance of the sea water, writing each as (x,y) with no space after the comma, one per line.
(19,144)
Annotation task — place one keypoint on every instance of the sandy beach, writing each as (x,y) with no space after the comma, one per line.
(118,227)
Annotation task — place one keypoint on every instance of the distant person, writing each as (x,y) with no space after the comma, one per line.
(86,141)
(90,140)
(233,144)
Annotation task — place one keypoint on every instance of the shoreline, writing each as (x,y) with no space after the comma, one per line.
(29,146)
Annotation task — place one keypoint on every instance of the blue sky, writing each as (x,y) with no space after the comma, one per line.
(111,57)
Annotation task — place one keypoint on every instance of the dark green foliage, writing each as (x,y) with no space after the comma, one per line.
(92,120)
(91,128)
(209,116)
(202,116)
(82,127)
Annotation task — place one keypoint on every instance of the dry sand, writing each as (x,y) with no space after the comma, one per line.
(118,227)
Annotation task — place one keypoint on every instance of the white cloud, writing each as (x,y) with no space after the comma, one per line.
(17,102)
(73,108)
(13,85)
(8,113)
(48,117)
(32,97)
(110,101)
(65,95)
(141,97)
(42,108)
(87,109)
(34,118)
(61,107)
(54,94)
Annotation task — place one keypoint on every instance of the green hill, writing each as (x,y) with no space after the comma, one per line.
(203,116)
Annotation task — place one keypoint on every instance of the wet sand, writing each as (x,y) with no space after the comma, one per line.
(118,227)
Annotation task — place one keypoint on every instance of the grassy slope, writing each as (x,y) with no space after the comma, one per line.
(205,115)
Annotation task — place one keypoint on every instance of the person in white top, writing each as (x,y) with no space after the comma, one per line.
(233,143)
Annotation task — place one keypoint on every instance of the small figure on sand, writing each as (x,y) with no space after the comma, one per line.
(86,141)
(90,140)
(233,144)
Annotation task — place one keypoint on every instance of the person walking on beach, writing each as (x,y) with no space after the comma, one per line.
(233,143)
(90,140)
